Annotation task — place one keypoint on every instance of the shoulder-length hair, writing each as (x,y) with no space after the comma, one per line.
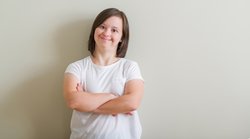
(101,17)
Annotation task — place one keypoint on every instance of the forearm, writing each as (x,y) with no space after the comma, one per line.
(87,102)
(80,100)
(122,104)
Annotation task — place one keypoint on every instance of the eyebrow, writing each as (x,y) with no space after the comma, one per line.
(111,26)
(115,27)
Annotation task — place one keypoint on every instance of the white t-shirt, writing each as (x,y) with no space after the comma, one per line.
(111,78)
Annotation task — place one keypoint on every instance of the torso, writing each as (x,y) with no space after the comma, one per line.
(111,78)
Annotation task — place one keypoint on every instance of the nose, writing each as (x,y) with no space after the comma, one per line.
(107,32)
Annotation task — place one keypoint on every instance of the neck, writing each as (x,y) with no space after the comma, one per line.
(104,59)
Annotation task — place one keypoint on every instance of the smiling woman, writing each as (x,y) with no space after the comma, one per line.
(105,89)
(104,18)
(108,34)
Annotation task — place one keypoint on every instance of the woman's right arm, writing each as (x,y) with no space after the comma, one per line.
(81,100)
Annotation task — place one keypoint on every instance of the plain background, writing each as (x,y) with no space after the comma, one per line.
(193,54)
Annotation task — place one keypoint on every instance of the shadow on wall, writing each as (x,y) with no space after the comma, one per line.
(35,108)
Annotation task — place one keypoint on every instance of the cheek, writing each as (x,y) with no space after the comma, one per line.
(118,38)
(96,33)
(97,30)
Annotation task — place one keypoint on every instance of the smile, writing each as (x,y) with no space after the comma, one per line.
(105,38)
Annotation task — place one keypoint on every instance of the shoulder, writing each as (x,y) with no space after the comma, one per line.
(81,62)
(131,70)
(129,65)
(78,65)
(128,62)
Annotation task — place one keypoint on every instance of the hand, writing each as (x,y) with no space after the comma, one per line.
(127,113)
(79,87)
(113,95)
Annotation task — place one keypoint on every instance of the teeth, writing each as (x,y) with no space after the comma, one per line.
(106,39)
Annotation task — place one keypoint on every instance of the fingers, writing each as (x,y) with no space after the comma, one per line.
(79,87)
(128,113)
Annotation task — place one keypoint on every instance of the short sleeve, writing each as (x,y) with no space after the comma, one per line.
(74,69)
(134,72)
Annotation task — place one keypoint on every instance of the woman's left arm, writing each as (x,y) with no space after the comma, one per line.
(126,103)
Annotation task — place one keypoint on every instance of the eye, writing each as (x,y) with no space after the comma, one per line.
(102,27)
(114,30)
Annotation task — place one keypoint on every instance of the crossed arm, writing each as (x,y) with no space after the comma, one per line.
(103,103)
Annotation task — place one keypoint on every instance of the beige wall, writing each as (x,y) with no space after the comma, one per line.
(194,56)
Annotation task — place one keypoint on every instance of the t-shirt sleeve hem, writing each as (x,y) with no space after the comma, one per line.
(135,79)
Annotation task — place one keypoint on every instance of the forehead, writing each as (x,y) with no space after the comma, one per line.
(114,21)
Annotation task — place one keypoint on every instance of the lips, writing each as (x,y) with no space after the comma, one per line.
(105,38)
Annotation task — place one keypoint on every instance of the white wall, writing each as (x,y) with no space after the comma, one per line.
(194,56)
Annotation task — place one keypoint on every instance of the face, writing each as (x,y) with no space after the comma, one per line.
(109,33)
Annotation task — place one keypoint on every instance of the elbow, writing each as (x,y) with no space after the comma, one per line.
(72,104)
(75,105)
(71,101)
(132,106)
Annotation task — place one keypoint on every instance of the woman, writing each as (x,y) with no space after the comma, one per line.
(105,89)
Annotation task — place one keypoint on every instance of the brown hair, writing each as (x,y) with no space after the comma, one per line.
(101,17)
